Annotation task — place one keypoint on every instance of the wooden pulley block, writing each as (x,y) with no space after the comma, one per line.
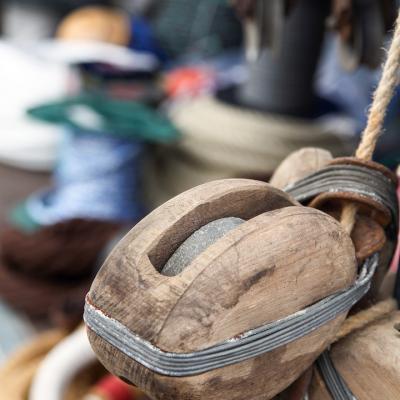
(182,305)
(368,235)
(368,361)
(96,23)
(366,205)
(300,164)
(375,229)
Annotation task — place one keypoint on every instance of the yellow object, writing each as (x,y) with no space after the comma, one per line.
(101,24)
(17,374)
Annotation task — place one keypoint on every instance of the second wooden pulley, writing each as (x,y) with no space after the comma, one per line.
(211,293)
(366,364)
(318,180)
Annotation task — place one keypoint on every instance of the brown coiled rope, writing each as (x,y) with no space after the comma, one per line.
(47,274)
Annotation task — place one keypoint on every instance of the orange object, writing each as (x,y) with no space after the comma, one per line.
(94,23)
(113,388)
(190,81)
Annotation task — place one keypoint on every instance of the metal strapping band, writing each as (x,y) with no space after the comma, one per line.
(248,345)
(356,179)
(335,384)
(351,179)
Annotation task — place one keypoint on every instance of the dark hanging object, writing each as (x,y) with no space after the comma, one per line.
(281,79)
(201,28)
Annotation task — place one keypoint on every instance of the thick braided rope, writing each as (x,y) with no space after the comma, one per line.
(333,381)
(366,317)
(381,99)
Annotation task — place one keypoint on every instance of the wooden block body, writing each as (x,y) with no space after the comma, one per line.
(369,362)
(300,164)
(282,259)
(368,234)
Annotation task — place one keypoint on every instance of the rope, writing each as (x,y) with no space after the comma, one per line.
(366,317)
(61,364)
(242,143)
(334,382)
(18,371)
(97,178)
(63,251)
(60,302)
(381,99)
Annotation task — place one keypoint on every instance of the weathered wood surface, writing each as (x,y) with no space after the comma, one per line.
(366,206)
(282,259)
(300,164)
(368,234)
(369,362)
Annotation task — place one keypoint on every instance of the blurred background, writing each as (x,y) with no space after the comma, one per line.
(110,108)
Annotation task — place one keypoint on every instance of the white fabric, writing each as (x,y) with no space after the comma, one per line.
(28,144)
(61,365)
(25,82)
(75,52)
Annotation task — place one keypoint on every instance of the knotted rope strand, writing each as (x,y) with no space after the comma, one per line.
(381,99)
(366,317)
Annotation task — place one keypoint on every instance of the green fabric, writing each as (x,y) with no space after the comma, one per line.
(102,115)
(20,218)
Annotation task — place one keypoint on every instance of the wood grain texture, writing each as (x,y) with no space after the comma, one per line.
(279,261)
(300,164)
(368,234)
(369,362)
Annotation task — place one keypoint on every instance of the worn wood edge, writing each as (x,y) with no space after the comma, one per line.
(255,378)
(265,254)
(300,164)
(130,259)
(369,362)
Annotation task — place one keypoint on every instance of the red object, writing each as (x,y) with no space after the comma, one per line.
(396,258)
(112,388)
(189,81)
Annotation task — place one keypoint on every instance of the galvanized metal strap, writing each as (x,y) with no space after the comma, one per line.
(245,346)
(335,384)
(351,179)
(356,179)
(341,178)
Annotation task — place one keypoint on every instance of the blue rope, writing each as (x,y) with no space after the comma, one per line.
(97,178)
